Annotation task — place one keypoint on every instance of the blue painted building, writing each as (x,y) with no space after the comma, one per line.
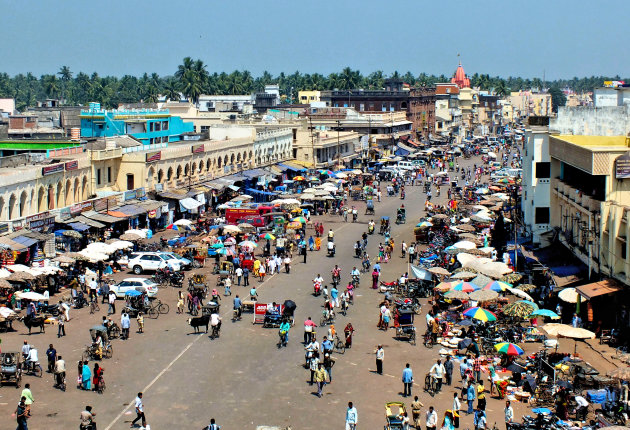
(148,126)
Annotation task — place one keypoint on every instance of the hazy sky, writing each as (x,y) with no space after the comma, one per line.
(517,38)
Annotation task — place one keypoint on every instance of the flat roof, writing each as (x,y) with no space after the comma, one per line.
(596,143)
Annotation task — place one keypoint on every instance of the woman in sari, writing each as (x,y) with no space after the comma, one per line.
(86,377)
(98,372)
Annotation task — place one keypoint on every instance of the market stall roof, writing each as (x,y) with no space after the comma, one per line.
(12,245)
(128,211)
(172,195)
(259,192)
(79,226)
(189,203)
(290,166)
(101,217)
(254,173)
(149,205)
(607,286)
(85,220)
(26,241)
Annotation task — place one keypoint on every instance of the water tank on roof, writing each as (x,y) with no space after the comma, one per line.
(75,133)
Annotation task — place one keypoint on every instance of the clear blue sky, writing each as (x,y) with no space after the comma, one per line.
(517,38)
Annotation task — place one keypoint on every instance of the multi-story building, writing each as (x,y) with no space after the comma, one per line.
(488,111)
(527,103)
(421,111)
(611,96)
(147,126)
(393,98)
(321,149)
(308,97)
(535,199)
(448,116)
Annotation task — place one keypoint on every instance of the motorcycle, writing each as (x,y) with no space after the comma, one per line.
(331,251)
(355,281)
(402,195)
(354,216)
(371,229)
(357,251)
(48,309)
(80,301)
(317,289)
(336,277)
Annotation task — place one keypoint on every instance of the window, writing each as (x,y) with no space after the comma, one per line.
(165,125)
(543,170)
(109,175)
(542,215)
(623,250)
(98,176)
(362,107)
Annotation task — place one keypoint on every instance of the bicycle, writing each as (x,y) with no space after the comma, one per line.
(428,340)
(340,345)
(100,385)
(94,307)
(430,385)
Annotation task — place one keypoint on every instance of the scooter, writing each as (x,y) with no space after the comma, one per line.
(370,229)
(317,289)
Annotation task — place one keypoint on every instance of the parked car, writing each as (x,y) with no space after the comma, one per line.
(184,263)
(139,284)
(150,261)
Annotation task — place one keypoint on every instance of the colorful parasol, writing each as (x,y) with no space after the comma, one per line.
(497,286)
(424,224)
(480,314)
(545,313)
(267,236)
(299,178)
(248,244)
(465,286)
(300,219)
(521,309)
(172,227)
(508,348)
(294,225)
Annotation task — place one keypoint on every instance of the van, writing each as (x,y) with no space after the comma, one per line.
(495,165)
(404,165)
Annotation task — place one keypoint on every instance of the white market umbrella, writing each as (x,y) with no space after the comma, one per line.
(30,295)
(569,295)
(464,244)
(231,229)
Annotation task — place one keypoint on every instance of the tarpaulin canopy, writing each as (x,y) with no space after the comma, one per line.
(86,221)
(79,226)
(421,273)
(189,203)
(293,168)
(26,241)
(12,245)
(607,286)
(401,151)
(101,217)
(259,192)
(254,173)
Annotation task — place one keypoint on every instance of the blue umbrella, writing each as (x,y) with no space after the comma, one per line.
(545,313)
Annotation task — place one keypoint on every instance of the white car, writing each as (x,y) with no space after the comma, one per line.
(138,284)
(143,261)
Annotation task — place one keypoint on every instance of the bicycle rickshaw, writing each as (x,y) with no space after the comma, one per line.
(11,368)
(394,415)
(197,282)
(369,207)
(401,216)
(91,351)
(210,308)
(403,321)
(136,302)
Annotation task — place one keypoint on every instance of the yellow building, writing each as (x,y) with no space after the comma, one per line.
(307,97)
(590,199)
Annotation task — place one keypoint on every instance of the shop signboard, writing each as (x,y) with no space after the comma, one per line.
(49,170)
(622,166)
(4,227)
(42,224)
(71,165)
(153,156)
(196,149)
(81,207)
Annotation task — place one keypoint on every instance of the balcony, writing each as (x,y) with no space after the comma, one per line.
(574,196)
(105,154)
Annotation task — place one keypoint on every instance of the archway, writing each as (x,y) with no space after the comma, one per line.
(186,170)
(59,195)
(84,188)
(225,160)
(219,161)
(12,201)
(150,177)
(169,174)
(23,211)
(2,211)
(179,172)
(68,193)
(232,159)
(41,200)
(50,201)
(208,164)
(160,177)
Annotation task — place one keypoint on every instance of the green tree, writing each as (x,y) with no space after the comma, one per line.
(557,98)
(52,85)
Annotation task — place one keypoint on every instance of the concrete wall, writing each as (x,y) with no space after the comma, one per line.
(225,133)
(600,121)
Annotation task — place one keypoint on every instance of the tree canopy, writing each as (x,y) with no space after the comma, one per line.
(192,79)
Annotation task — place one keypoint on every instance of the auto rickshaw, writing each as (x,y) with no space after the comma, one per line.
(393,414)
(369,207)
(11,368)
(210,308)
(403,321)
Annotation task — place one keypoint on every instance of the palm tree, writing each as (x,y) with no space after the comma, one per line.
(171,90)
(66,75)
(51,85)
(192,86)
(188,64)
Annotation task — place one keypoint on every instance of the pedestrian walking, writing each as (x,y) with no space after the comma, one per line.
(416,407)
(239,275)
(352,417)
(457,405)
(213,425)
(124,325)
(287,263)
(320,378)
(481,397)
(329,362)
(140,321)
(245,277)
(309,326)
(66,310)
(407,379)
(180,302)
(470,397)
(51,353)
(479,421)
(313,365)
(448,367)
(509,415)
(477,369)
(432,419)
(111,300)
(380,355)
(61,327)
(21,414)
(139,411)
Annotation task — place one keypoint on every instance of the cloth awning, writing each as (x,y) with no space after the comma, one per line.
(87,221)
(108,219)
(150,205)
(293,168)
(189,203)
(131,210)
(259,192)
(23,240)
(607,286)
(401,151)
(234,187)
(79,226)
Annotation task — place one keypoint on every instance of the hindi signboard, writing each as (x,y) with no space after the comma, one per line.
(622,166)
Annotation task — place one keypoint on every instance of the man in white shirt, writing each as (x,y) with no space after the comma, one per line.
(509,415)
(352,417)
(215,320)
(112,303)
(93,288)
(432,419)
(239,274)
(139,411)
(582,407)
(437,372)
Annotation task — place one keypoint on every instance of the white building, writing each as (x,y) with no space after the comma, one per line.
(536,182)
(225,103)
(607,96)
